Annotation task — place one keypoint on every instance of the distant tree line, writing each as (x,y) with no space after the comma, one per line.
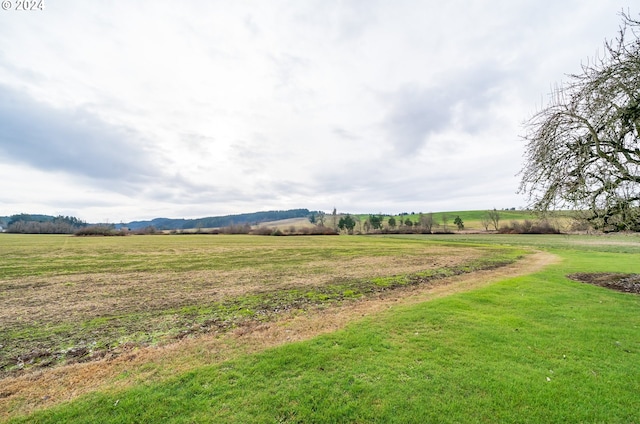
(402,224)
(221,221)
(231,229)
(428,223)
(248,218)
(41,224)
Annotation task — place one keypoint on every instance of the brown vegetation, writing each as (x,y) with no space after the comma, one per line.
(100,230)
(529,227)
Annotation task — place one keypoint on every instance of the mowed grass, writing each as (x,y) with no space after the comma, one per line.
(70,299)
(538,348)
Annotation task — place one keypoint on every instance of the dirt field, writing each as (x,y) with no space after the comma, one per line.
(626,283)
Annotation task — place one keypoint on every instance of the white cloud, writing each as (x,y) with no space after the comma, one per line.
(206,108)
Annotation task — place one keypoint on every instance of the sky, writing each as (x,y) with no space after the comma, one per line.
(115,111)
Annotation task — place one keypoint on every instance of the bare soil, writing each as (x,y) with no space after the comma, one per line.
(626,283)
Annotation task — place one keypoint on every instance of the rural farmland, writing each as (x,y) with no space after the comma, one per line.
(319,212)
(396,328)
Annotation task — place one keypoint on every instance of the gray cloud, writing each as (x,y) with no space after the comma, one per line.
(27,75)
(339,21)
(418,112)
(251,25)
(76,142)
(197,143)
(345,134)
(288,68)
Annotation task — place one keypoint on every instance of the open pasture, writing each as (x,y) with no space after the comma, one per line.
(76,299)
(531,348)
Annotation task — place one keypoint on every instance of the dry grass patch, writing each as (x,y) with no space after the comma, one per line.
(46,387)
(80,297)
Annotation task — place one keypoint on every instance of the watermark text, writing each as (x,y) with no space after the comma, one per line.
(22,5)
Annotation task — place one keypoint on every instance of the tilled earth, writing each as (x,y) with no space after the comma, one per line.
(626,283)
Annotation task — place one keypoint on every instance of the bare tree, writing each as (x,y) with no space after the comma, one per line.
(494,218)
(583,149)
(320,218)
(426,221)
(486,221)
(445,221)
(358,223)
(367,226)
(334,217)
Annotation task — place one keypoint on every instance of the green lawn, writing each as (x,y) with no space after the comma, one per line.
(539,348)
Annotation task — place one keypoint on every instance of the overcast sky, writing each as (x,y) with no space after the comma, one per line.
(123,110)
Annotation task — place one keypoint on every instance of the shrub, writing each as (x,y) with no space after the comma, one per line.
(580,225)
(236,229)
(262,231)
(100,230)
(147,231)
(317,230)
(529,227)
